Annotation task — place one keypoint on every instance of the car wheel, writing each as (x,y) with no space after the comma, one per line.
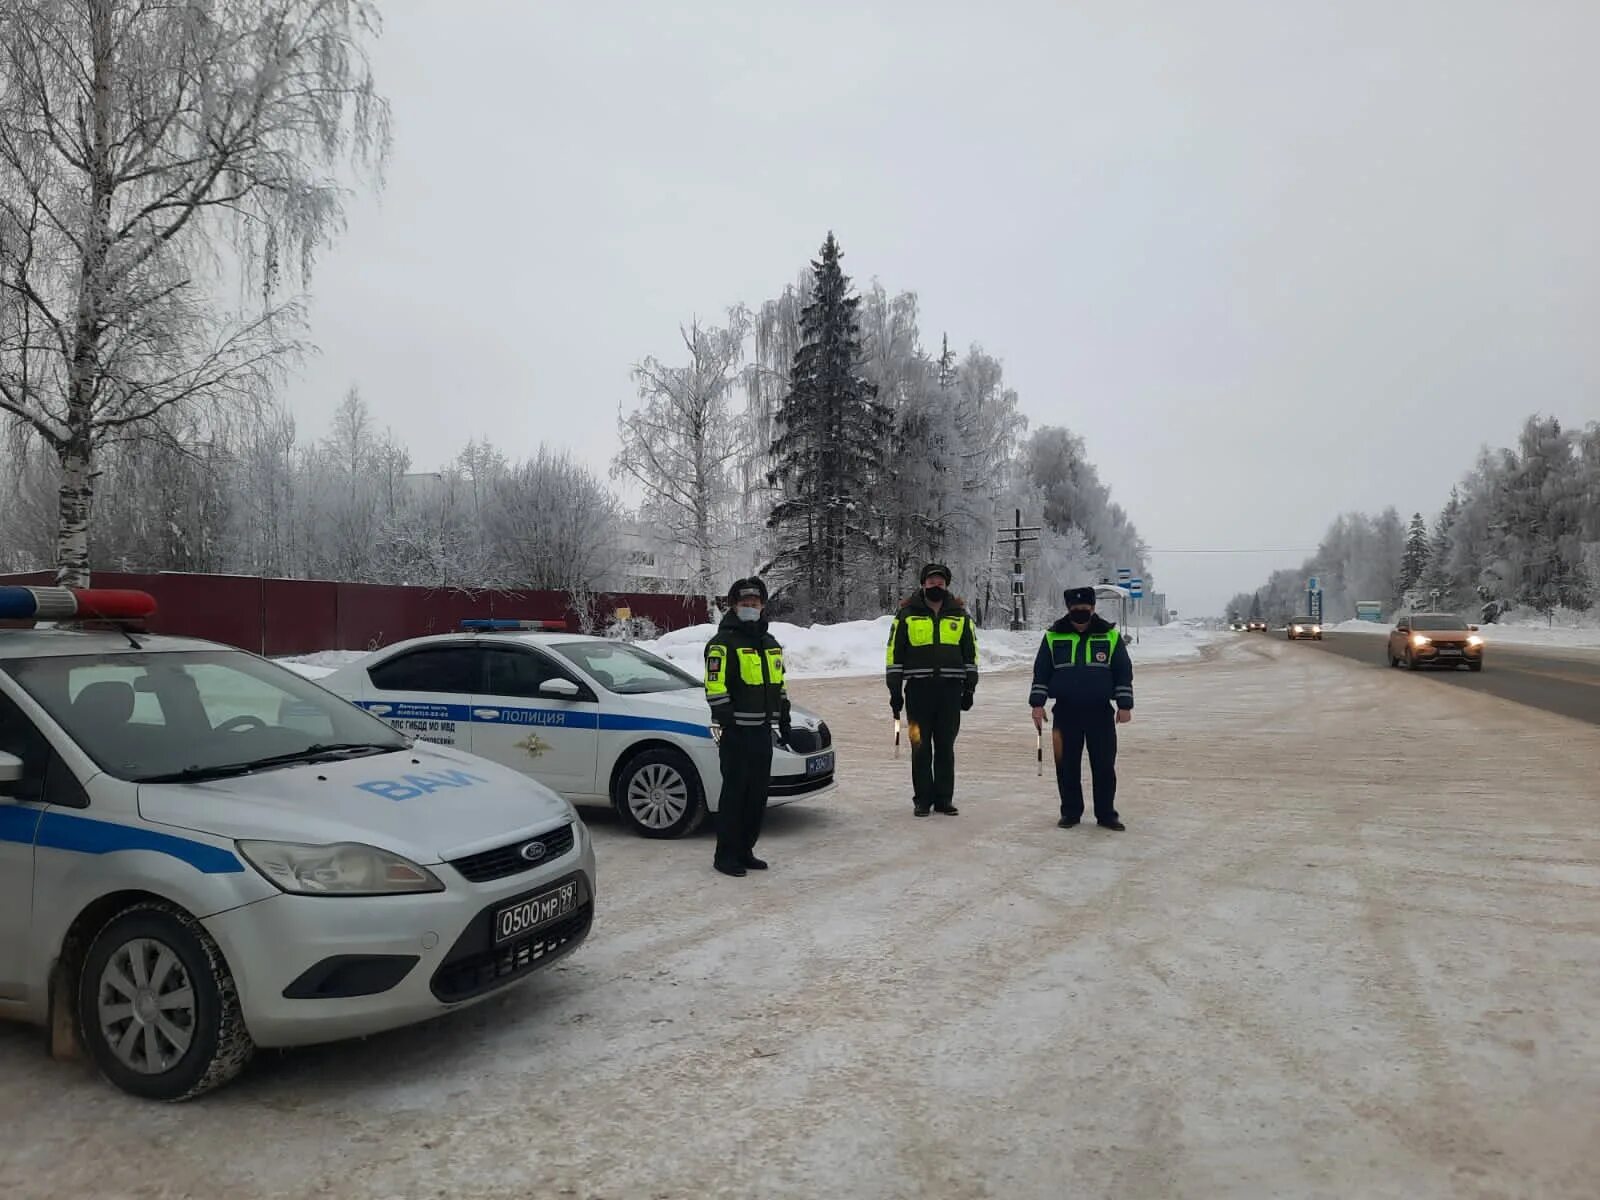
(1411,661)
(1477,666)
(158,1007)
(659,794)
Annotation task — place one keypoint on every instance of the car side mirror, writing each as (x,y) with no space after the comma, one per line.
(559,689)
(1472,629)
(14,785)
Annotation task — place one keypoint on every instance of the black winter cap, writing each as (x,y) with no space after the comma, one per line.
(1079,595)
(747,587)
(934,568)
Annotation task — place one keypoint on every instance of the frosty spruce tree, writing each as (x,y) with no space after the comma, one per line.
(154,160)
(828,450)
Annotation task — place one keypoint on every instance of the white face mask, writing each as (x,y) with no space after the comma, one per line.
(748,612)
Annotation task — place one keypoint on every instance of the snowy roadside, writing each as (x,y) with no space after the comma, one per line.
(850,648)
(857,647)
(1574,634)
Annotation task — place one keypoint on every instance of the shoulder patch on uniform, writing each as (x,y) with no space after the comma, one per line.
(714,667)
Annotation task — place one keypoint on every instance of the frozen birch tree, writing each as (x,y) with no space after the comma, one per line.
(148,153)
(683,443)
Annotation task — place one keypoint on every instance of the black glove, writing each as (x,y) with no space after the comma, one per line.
(895,706)
(966,701)
(784,730)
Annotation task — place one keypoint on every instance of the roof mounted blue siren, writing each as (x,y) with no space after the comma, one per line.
(506,625)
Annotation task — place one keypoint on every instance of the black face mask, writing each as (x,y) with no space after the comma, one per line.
(1080,616)
(935,594)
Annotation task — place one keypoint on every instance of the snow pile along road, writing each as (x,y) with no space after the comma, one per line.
(850,648)
(323,662)
(857,647)
(1567,630)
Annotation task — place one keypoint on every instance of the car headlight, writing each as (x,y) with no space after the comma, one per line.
(339,869)
(1418,640)
(1474,640)
(1316,629)
(1297,629)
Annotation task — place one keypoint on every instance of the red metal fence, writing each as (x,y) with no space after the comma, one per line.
(301,616)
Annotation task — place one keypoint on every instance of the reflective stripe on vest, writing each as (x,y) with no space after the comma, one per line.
(1099,648)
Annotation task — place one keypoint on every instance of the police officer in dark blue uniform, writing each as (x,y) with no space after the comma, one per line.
(1083,665)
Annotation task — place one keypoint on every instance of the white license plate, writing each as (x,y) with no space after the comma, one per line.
(819,764)
(529,915)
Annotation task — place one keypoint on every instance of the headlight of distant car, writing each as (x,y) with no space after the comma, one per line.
(340,869)
(1418,640)
(1297,629)
(1474,640)
(1316,629)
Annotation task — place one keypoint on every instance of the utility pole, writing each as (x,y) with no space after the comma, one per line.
(1016,535)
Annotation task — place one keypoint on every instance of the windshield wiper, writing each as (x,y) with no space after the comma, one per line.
(318,752)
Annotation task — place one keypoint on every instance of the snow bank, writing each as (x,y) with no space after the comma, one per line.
(1567,630)
(857,647)
(323,662)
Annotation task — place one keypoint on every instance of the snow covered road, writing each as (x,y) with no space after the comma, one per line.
(1349,947)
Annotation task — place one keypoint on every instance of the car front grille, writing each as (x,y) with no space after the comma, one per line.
(809,741)
(462,978)
(504,861)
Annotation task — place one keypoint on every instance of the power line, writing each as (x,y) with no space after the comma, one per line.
(1251,550)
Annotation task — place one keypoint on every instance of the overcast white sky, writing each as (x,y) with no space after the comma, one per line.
(1272,260)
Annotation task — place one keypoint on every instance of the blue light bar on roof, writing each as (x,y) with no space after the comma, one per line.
(65,604)
(506,625)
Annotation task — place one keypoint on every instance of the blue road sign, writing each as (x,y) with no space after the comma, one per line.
(1313,585)
(1136,588)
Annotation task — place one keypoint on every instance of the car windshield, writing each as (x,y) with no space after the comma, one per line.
(627,670)
(1437,621)
(1305,620)
(190,715)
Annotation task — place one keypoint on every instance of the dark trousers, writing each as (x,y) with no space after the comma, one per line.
(933,718)
(1096,728)
(746,755)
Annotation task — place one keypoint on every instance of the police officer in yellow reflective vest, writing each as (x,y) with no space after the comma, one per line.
(1083,665)
(932,672)
(744,683)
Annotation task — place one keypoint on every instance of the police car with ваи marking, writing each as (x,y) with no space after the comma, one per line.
(599,720)
(202,852)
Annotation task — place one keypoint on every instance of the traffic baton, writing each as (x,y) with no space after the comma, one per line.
(1039,733)
(897,737)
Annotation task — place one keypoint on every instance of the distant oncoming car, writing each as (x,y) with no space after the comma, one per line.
(1257,627)
(599,720)
(1305,629)
(202,852)
(1435,640)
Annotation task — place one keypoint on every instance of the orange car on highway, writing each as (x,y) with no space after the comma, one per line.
(1435,640)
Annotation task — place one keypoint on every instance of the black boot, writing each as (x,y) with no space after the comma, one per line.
(919,809)
(752,863)
(949,810)
(1112,824)
(1066,823)
(728,868)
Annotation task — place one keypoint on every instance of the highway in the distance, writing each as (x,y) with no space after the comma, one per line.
(1565,681)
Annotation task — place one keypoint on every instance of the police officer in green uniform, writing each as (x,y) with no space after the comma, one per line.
(1083,665)
(744,683)
(932,673)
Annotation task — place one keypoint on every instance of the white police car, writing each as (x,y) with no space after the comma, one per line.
(599,720)
(202,852)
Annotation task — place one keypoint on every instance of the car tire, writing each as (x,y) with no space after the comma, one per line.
(1477,666)
(658,794)
(171,1037)
(1411,662)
